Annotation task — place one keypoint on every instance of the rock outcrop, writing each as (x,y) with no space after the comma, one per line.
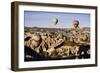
(61,43)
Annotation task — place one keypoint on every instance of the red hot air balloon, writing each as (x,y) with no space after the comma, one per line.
(76,23)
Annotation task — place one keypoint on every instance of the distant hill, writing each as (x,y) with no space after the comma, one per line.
(54,29)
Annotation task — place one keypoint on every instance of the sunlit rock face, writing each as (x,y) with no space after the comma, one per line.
(58,43)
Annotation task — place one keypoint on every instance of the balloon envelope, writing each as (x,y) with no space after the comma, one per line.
(55,21)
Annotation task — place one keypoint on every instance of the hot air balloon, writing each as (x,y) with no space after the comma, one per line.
(55,21)
(76,23)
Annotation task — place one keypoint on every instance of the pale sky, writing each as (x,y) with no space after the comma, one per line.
(45,19)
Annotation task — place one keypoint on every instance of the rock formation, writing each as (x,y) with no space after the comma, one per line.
(60,43)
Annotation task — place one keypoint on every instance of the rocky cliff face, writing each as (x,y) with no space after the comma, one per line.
(61,43)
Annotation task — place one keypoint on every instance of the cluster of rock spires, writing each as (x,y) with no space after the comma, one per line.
(56,43)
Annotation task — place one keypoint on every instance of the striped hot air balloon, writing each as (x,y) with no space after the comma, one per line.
(55,21)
